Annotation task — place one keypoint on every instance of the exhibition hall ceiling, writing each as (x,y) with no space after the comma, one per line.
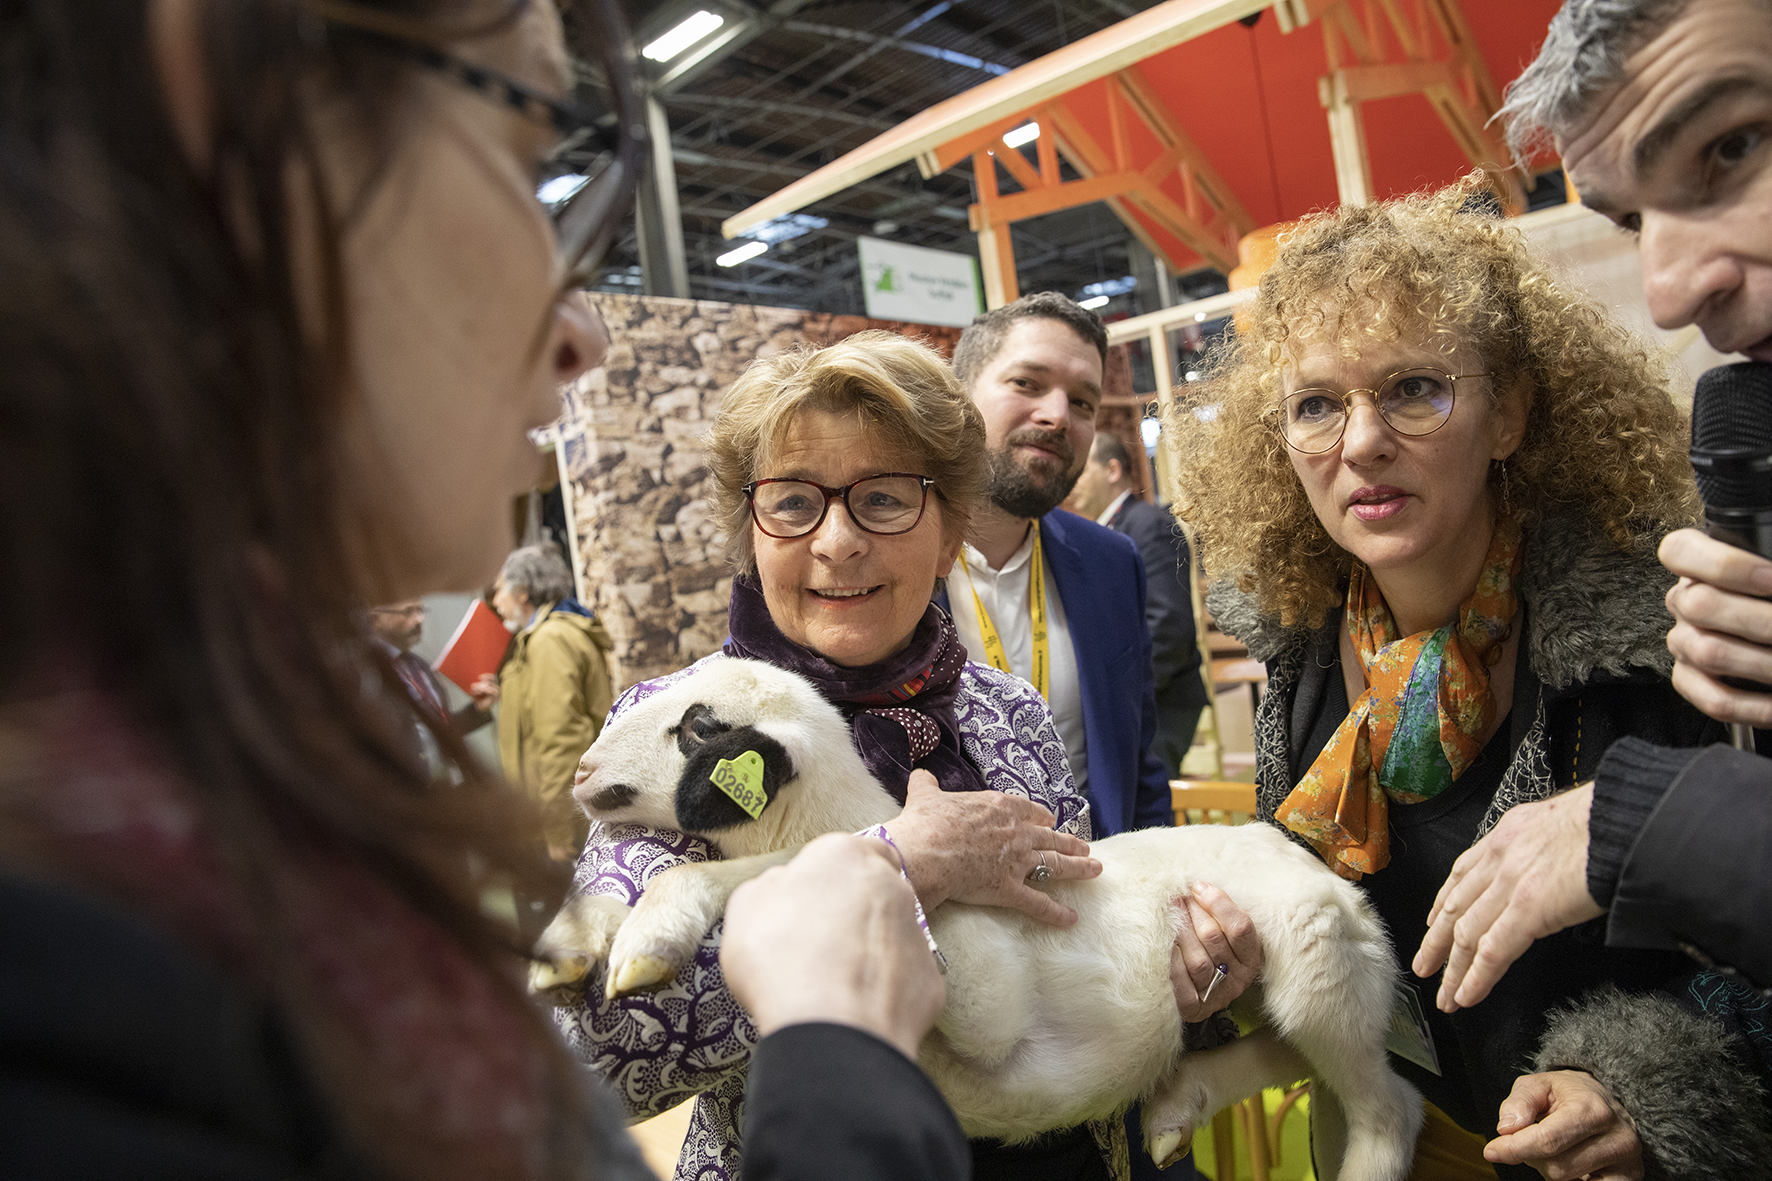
(812,81)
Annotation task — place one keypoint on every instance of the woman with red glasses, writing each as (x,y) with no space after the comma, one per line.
(845,478)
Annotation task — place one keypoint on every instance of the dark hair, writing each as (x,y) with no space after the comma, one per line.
(1109,447)
(983,338)
(166,432)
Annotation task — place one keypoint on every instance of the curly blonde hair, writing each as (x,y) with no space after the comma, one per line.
(909,401)
(1603,438)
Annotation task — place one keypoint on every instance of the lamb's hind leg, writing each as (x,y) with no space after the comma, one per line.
(1205,1082)
(1382,1112)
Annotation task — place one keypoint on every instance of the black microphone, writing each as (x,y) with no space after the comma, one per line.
(1732,461)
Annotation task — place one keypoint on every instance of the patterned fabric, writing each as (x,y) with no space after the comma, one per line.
(900,710)
(691,1038)
(1421,721)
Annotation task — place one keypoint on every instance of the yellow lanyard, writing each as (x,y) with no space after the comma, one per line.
(993,643)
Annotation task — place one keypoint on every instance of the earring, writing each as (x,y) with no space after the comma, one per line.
(1507,491)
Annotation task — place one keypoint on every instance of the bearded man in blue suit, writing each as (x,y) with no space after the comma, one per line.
(1034,369)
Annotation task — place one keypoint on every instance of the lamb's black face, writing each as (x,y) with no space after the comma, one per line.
(706,742)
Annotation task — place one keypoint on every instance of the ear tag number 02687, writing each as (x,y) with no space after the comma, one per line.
(742,780)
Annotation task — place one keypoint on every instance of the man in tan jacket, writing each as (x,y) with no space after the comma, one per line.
(554,689)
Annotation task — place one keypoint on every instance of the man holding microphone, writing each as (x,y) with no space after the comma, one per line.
(1662,113)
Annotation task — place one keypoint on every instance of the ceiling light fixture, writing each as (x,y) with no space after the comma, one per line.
(733,257)
(1100,301)
(561,187)
(686,33)
(1027,133)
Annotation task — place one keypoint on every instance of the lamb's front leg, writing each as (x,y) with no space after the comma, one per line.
(1204,1082)
(668,922)
(575,942)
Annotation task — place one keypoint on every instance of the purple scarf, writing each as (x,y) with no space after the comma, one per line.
(900,711)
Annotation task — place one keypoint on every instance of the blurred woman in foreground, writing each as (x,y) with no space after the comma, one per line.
(279,309)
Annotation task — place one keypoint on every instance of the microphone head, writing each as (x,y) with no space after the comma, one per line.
(1732,436)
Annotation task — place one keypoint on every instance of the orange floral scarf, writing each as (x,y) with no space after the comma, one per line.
(1419,723)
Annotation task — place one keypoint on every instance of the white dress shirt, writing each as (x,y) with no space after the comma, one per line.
(1107,514)
(1004,594)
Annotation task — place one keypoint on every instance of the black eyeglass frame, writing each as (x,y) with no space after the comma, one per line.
(1278,411)
(586,222)
(830,494)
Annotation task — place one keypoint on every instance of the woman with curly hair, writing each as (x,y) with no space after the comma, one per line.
(1429,499)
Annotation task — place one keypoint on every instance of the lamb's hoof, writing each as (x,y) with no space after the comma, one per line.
(643,973)
(560,985)
(547,975)
(1166,1147)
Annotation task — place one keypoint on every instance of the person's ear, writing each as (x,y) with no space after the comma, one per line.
(1510,411)
(1116,471)
(175,45)
(950,553)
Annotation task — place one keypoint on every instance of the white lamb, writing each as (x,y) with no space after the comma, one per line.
(1044,1027)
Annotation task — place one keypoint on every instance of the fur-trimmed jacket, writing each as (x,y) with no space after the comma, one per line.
(1592,668)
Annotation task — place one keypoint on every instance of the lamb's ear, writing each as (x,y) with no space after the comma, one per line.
(698,724)
(730,778)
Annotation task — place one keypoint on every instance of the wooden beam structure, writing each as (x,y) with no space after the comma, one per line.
(1208,217)
(1002,101)
(1452,77)
(1110,133)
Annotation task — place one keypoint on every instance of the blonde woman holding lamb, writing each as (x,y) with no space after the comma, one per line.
(846,477)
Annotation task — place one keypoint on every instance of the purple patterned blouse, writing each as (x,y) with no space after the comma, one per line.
(691,1038)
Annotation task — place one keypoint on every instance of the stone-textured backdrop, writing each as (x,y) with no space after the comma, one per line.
(653,560)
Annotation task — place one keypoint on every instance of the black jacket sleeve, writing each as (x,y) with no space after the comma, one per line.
(1168,608)
(832,1101)
(1699,870)
(122,1055)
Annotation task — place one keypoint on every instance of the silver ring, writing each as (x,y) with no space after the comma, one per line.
(1041,871)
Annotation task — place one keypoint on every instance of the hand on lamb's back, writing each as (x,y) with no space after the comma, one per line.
(980,847)
(833,936)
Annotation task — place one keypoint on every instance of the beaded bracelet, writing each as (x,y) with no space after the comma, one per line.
(879,832)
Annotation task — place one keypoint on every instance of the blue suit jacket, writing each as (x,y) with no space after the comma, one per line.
(1100,580)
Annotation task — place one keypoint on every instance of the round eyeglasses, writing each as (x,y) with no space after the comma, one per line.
(889,503)
(1411,402)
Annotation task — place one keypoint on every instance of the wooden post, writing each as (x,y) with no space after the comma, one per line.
(1347,139)
(1162,367)
(996,252)
(996,258)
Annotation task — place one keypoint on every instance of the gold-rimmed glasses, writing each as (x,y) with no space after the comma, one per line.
(1415,401)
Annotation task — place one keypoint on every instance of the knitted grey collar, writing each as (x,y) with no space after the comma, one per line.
(1590,606)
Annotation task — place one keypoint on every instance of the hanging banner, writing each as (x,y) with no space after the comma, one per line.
(917,284)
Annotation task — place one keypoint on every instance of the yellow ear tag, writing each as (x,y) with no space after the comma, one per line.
(742,779)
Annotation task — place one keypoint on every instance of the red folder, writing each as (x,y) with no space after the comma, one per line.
(477,647)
